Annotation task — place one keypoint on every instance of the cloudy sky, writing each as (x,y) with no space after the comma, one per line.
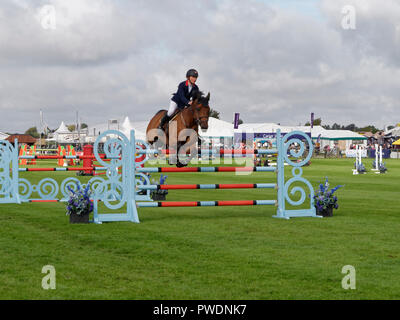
(271,60)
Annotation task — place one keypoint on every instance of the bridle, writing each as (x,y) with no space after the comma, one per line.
(196,116)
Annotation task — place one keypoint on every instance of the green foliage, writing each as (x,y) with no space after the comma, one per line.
(214,113)
(351,127)
(316,122)
(33,132)
(369,128)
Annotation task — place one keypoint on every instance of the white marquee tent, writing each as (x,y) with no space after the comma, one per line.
(3,135)
(124,125)
(63,135)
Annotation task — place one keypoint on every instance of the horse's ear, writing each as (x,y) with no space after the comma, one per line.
(208,97)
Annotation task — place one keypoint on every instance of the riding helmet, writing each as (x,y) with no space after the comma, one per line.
(192,73)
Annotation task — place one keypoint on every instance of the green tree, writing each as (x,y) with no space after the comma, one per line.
(316,122)
(351,127)
(369,128)
(71,127)
(33,132)
(214,113)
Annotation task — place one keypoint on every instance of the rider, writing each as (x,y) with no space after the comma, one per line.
(181,98)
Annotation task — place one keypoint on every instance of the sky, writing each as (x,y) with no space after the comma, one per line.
(269,60)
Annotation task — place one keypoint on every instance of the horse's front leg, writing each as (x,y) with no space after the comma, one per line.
(187,149)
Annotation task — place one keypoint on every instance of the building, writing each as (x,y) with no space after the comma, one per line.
(22,139)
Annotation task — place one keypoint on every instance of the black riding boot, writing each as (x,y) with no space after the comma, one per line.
(163,121)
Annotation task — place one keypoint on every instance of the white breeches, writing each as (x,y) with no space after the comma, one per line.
(172,107)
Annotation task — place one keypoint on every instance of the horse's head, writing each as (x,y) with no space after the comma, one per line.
(201,109)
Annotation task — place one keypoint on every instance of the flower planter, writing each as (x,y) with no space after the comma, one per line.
(79,218)
(328,212)
(158,196)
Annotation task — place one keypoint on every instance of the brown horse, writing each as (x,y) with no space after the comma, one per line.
(191,117)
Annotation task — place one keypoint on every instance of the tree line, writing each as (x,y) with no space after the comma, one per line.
(351,127)
(34,132)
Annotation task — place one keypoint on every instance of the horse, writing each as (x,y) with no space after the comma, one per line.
(191,117)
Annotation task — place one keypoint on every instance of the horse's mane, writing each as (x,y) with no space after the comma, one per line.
(159,111)
(199,96)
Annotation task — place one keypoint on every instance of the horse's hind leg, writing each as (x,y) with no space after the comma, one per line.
(152,132)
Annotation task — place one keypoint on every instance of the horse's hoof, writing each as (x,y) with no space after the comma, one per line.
(180,165)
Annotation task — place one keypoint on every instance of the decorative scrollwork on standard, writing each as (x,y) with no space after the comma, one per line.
(47,189)
(144,157)
(25,189)
(114,148)
(141,179)
(5,185)
(97,186)
(71,183)
(297,189)
(112,173)
(6,153)
(117,149)
(297,137)
(8,172)
(297,173)
(113,192)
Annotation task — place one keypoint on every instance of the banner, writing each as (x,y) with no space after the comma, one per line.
(242,136)
(351,153)
(236,121)
(312,120)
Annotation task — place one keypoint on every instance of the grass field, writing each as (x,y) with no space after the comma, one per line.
(213,253)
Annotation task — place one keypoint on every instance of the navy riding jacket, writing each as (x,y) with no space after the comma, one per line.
(182,96)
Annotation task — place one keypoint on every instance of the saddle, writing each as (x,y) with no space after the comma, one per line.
(173,117)
(175,114)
